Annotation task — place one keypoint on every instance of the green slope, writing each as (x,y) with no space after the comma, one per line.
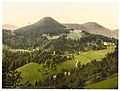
(76,35)
(84,58)
(105,84)
(29,72)
(32,72)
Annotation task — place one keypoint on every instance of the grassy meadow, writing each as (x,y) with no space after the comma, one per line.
(34,71)
(105,84)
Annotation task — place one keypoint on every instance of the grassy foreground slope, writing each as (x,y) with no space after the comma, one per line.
(34,71)
(84,58)
(29,72)
(105,84)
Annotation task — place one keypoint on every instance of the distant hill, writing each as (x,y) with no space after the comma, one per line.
(74,26)
(115,32)
(43,34)
(94,28)
(9,27)
(45,25)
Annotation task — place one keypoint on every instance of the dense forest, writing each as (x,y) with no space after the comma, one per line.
(23,42)
(86,43)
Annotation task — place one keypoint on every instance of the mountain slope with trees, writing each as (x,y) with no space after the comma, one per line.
(94,28)
(46,25)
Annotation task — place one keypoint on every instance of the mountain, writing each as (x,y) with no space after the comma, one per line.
(31,36)
(94,28)
(45,25)
(115,32)
(9,27)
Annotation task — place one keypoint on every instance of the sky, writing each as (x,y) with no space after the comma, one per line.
(22,13)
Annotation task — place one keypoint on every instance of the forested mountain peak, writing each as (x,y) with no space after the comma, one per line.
(44,25)
(48,22)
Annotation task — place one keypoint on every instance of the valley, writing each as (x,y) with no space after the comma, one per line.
(84,58)
(48,54)
(30,71)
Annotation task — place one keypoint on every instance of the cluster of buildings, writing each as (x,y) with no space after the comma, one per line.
(66,73)
(74,30)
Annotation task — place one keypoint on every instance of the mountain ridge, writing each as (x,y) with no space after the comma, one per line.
(93,28)
(48,25)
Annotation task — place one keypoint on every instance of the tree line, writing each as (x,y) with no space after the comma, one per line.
(86,43)
(31,41)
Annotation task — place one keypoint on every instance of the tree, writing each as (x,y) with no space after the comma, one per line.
(79,64)
(47,63)
(13,79)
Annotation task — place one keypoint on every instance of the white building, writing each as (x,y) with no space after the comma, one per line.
(65,73)
(68,73)
(76,31)
(105,43)
(54,76)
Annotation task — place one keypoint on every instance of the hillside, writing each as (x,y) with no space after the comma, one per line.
(22,42)
(94,28)
(74,26)
(47,33)
(110,83)
(75,36)
(84,58)
(30,71)
(115,32)
(45,25)
(74,42)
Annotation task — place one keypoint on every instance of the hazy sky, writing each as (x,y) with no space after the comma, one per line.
(22,13)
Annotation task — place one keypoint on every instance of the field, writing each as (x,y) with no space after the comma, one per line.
(53,37)
(34,71)
(105,84)
(84,58)
(31,72)
(73,35)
